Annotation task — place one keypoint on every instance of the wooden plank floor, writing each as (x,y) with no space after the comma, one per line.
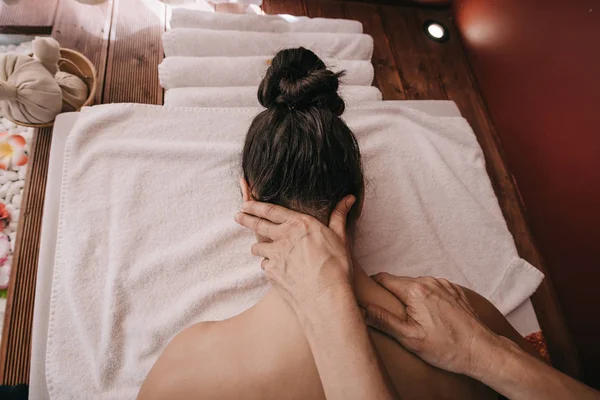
(27,17)
(122,38)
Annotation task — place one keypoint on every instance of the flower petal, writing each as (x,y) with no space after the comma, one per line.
(5,162)
(20,159)
(17,141)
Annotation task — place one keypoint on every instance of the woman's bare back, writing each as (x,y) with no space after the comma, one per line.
(263,354)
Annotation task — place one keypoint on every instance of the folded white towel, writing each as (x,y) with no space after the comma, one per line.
(175,72)
(182,18)
(147,245)
(245,96)
(207,42)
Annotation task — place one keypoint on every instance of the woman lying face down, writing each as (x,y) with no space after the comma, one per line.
(299,154)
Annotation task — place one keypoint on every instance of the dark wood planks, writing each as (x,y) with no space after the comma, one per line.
(460,86)
(387,76)
(27,17)
(417,71)
(324,9)
(134,53)
(16,335)
(83,28)
(293,7)
(434,4)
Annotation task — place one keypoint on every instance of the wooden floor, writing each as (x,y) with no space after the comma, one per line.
(122,38)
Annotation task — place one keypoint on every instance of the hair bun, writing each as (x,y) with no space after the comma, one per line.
(299,79)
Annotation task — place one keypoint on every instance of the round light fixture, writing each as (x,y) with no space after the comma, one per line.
(436,31)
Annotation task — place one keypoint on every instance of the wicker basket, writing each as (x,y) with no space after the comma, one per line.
(73,62)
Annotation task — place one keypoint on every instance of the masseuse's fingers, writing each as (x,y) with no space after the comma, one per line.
(263,249)
(463,295)
(381,319)
(402,287)
(265,264)
(337,220)
(259,225)
(464,300)
(449,287)
(268,211)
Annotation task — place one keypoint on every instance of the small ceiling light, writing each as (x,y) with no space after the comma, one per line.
(436,31)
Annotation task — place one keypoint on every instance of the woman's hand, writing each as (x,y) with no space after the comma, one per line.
(306,259)
(439,325)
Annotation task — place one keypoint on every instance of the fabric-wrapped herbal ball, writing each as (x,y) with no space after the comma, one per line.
(74,91)
(47,51)
(28,91)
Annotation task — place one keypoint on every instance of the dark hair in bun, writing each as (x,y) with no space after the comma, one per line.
(298,152)
(298,79)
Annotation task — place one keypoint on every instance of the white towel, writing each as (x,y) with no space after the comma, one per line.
(147,245)
(246,96)
(207,42)
(182,18)
(175,72)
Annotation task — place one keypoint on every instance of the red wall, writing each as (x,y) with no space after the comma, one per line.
(538,66)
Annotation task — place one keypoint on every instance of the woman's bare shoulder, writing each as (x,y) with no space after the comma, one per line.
(493,319)
(178,363)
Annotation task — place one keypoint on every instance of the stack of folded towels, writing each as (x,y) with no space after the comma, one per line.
(218,59)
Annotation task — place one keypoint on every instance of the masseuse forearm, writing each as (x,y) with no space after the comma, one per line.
(347,363)
(517,375)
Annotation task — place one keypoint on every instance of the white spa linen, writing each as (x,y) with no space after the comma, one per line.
(175,72)
(147,245)
(184,18)
(246,96)
(207,42)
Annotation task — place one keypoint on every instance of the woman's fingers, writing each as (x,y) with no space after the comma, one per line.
(337,220)
(271,212)
(259,225)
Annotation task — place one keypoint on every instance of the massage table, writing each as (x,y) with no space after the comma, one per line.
(522,318)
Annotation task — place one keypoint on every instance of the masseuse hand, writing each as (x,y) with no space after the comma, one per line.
(439,324)
(305,259)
